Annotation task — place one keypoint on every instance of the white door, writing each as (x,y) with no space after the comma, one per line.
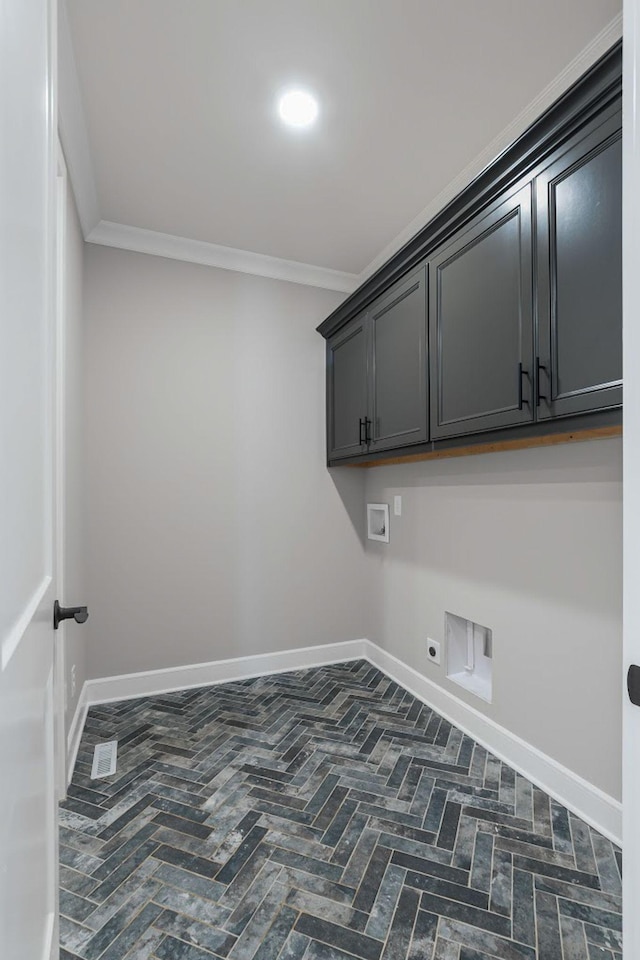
(631,447)
(28,929)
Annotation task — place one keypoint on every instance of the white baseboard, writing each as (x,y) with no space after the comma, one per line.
(153,682)
(75,731)
(50,949)
(603,812)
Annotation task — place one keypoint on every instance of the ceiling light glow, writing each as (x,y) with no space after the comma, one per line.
(297,108)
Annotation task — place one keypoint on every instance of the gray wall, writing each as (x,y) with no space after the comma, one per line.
(214,529)
(527,543)
(73,587)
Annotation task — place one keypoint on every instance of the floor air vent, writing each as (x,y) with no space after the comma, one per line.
(104,759)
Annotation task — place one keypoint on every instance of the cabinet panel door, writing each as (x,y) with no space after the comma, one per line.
(579,211)
(480,323)
(398,386)
(347,390)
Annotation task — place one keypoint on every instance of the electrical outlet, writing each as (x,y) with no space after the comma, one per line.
(433,650)
(73,680)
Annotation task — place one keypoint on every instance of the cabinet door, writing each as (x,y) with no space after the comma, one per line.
(480,323)
(347,391)
(398,401)
(579,213)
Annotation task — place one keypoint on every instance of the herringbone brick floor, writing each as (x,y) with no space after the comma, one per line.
(320,814)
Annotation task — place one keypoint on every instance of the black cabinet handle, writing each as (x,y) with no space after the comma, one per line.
(365,423)
(521,373)
(79,614)
(539,367)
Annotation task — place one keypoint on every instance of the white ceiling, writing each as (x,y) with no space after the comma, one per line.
(179,102)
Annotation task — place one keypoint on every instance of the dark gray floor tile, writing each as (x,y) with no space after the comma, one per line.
(195,932)
(574,943)
(549,943)
(501,883)
(246,849)
(372,878)
(295,947)
(277,935)
(256,930)
(172,949)
(334,935)
(473,916)
(187,881)
(399,940)
(431,867)
(306,901)
(74,907)
(444,888)
(191,827)
(592,915)
(524,919)
(546,869)
(330,871)
(124,870)
(481,864)
(186,902)
(320,815)
(424,935)
(198,865)
(116,947)
(253,897)
(477,939)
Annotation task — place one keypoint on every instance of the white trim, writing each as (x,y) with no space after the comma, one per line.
(150,683)
(72,127)
(49,941)
(631,469)
(572,72)
(75,731)
(15,634)
(586,800)
(603,812)
(59,685)
(50,768)
(213,255)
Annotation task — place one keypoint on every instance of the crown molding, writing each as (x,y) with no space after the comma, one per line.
(226,258)
(75,144)
(600,44)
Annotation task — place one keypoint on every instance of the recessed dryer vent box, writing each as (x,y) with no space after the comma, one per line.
(378,522)
(469,655)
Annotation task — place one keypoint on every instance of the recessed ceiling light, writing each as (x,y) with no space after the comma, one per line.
(297,108)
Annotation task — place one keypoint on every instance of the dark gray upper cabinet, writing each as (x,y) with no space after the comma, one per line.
(481,323)
(502,317)
(579,223)
(347,391)
(398,382)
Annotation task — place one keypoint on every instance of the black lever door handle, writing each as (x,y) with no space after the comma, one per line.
(79,614)
(633,684)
